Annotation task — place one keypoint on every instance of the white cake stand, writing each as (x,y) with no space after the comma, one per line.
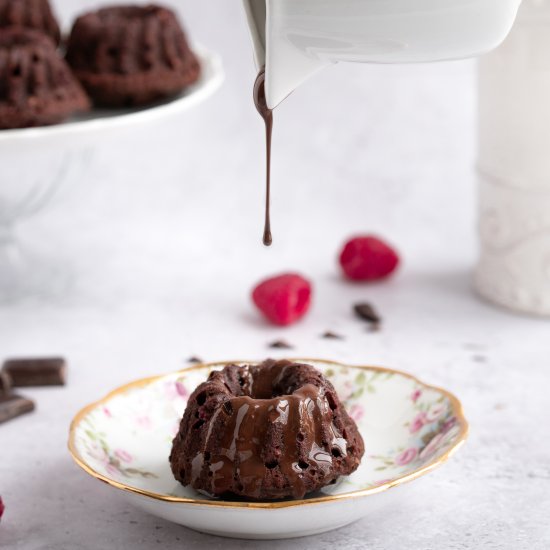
(34,162)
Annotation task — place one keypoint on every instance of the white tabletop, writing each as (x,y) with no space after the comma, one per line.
(161,236)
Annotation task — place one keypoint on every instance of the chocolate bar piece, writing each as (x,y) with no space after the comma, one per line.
(280,344)
(48,371)
(12,406)
(329,335)
(5,383)
(366,312)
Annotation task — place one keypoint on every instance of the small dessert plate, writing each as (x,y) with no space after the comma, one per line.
(409,429)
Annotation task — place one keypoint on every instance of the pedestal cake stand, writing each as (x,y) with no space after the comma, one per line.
(34,162)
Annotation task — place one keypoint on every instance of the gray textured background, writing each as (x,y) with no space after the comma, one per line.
(161,233)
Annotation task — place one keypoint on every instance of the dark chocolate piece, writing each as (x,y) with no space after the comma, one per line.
(47,371)
(365,311)
(195,359)
(329,335)
(12,406)
(5,383)
(280,344)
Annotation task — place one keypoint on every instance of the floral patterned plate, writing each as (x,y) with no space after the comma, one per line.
(409,429)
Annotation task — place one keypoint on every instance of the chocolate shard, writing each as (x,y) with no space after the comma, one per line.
(329,335)
(39,371)
(5,383)
(194,359)
(12,406)
(280,344)
(365,311)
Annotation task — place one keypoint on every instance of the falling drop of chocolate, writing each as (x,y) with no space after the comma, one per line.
(267,114)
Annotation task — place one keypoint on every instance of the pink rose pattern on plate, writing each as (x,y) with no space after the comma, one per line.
(116,463)
(113,462)
(408,455)
(432,429)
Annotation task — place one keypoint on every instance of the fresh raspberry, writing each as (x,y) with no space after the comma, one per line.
(2,507)
(283,299)
(367,258)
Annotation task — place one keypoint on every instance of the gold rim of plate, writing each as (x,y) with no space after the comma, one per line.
(455,404)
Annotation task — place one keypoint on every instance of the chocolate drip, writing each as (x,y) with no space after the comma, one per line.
(267,114)
(287,419)
(250,421)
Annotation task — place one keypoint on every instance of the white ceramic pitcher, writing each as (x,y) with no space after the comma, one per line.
(514,166)
(296,38)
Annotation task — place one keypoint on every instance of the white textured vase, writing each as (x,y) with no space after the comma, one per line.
(514,166)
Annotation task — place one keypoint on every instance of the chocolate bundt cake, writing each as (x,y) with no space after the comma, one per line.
(36,85)
(31,14)
(131,55)
(265,431)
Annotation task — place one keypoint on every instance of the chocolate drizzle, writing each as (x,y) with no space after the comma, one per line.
(251,421)
(267,114)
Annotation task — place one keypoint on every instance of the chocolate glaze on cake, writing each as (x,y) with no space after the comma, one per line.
(36,85)
(31,14)
(131,55)
(265,431)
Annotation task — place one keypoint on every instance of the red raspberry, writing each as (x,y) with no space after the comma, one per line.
(2,507)
(367,258)
(283,299)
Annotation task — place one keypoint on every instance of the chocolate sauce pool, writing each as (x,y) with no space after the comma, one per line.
(267,115)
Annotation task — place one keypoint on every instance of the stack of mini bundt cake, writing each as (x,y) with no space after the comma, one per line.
(30,14)
(37,87)
(117,56)
(131,55)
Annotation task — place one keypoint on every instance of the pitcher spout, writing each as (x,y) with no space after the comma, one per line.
(288,64)
(296,38)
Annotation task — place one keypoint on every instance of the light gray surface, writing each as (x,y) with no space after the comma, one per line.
(161,233)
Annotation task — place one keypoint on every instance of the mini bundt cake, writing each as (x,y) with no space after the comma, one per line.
(36,85)
(31,14)
(131,55)
(265,431)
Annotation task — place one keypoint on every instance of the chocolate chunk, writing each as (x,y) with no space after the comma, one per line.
(5,383)
(194,359)
(47,371)
(12,406)
(280,344)
(366,312)
(328,335)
